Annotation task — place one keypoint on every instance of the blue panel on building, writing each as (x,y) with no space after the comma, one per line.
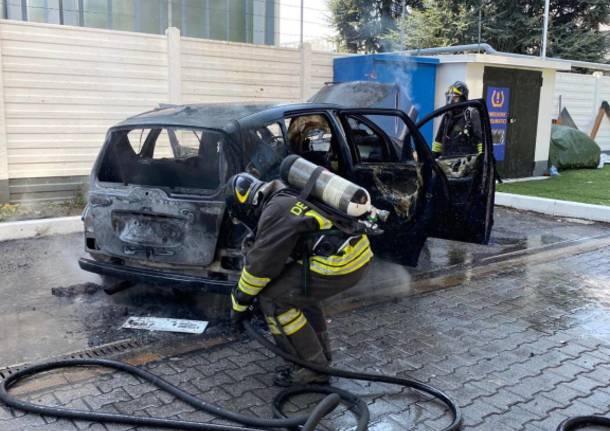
(415,75)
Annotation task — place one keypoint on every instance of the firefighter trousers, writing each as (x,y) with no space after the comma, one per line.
(297,321)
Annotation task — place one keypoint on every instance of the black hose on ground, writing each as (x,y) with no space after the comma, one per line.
(308,422)
(456,414)
(578,422)
(61,412)
(323,408)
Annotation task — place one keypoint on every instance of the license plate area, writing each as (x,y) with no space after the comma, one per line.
(148,230)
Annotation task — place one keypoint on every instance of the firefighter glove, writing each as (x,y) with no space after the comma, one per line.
(239,312)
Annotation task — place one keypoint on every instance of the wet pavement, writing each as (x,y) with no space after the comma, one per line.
(49,307)
(521,344)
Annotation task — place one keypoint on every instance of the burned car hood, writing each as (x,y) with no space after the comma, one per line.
(363,94)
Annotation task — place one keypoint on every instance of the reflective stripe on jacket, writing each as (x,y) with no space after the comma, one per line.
(284,224)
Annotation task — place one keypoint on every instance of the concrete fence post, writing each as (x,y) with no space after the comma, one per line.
(4,190)
(597,99)
(174,66)
(306,60)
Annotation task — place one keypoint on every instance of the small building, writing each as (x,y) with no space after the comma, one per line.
(519,92)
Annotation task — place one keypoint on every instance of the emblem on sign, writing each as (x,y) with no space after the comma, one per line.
(497,98)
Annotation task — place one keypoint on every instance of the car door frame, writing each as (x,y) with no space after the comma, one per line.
(443,225)
(418,223)
(346,161)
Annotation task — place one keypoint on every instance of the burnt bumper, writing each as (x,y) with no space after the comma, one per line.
(141,275)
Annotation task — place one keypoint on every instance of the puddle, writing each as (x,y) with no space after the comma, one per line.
(595,321)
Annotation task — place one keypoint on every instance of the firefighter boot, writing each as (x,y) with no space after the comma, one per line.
(287,375)
(295,335)
(296,375)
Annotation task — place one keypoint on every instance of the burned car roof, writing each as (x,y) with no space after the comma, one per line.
(213,115)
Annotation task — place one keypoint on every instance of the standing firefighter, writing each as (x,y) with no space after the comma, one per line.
(296,260)
(459,133)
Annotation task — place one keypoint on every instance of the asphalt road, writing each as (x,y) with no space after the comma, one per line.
(49,307)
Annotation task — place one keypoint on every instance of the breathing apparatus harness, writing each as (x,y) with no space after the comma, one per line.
(461,141)
(333,240)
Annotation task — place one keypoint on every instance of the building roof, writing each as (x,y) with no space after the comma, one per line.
(529,62)
(396,57)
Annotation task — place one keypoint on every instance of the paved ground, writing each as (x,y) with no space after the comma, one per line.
(520,345)
(48,306)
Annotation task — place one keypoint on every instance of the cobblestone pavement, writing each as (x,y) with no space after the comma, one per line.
(520,350)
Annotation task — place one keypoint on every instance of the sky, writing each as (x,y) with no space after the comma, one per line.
(316,21)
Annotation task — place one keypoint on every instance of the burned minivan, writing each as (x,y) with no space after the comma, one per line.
(156,208)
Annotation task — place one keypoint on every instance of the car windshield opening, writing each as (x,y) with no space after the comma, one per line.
(165,157)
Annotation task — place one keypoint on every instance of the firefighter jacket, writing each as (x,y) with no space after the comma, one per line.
(285,223)
(459,134)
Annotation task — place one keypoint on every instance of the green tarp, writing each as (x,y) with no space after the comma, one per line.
(572,149)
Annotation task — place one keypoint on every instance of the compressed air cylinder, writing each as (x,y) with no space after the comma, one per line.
(331,189)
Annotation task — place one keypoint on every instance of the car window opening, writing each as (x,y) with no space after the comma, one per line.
(264,151)
(312,137)
(171,157)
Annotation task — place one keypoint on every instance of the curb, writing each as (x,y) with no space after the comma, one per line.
(39,228)
(554,207)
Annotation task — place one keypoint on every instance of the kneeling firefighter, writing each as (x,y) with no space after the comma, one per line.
(304,250)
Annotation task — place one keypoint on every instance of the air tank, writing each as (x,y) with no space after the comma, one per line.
(329,188)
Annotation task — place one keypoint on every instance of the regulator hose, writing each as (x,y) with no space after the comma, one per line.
(251,423)
(578,422)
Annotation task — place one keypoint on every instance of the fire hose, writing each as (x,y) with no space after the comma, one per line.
(249,423)
(578,422)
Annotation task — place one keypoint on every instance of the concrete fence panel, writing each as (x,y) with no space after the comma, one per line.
(61,87)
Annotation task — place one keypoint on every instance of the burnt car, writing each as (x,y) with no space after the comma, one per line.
(156,209)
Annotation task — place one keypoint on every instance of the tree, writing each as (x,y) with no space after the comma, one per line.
(507,25)
(574,30)
(364,25)
(436,23)
(573,27)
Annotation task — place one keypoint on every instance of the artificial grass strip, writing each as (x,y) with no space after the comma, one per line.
(591,186)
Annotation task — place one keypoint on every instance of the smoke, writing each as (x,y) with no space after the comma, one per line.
(384,281)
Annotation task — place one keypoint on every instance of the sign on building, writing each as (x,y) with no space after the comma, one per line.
(497,104)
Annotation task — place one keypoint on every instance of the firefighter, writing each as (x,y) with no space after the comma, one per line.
(288,231)
(459,133)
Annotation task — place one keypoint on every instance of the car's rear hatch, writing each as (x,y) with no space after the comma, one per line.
(146,223)
(157,195)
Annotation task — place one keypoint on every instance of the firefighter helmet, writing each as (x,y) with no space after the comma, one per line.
(244,197)
(457,90)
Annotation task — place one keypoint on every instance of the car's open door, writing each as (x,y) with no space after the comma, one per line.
(463,206)
(395,167)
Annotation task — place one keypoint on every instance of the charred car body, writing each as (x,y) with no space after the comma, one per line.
(156,210)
